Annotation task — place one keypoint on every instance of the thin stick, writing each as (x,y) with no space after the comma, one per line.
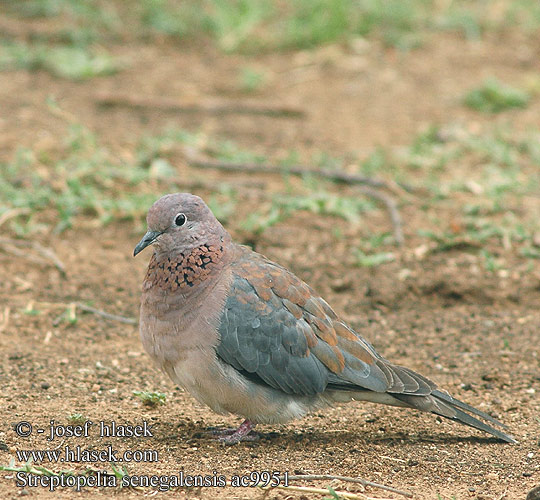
(323,491)
(213,107)
(13,250)
(394,459)
(72,306)
(10,214)
(47,253)
(298,170)
(393,211)
(363,482)
(4,319)
(342,177)
(98,312)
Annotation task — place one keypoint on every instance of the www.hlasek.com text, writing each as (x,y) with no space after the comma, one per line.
(80,454)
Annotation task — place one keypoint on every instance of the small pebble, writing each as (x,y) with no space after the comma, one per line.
(45,385)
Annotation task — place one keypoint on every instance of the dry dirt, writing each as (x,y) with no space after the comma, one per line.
(475,333)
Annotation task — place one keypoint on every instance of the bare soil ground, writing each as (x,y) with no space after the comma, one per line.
(475,333)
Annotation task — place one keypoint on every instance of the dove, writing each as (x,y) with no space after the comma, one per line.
(245,336)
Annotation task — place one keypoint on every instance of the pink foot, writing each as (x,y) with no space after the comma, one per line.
(243,433)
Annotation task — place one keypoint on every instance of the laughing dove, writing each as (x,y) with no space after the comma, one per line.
(245,336)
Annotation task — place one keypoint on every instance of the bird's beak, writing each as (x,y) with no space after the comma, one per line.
(147,239)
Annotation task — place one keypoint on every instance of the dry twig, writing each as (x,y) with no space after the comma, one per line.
(14,212)
(71,308)
(370,188)
(393,211)
(358,480)
(99,312)
(4,319)
(47,254)
(214,107)
(323,491)
(298,170)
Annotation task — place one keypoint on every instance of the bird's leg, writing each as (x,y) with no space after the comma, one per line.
(243,433)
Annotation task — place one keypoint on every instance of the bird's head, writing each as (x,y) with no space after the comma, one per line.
(178,223)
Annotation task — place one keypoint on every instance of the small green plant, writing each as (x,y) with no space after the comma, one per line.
(462,19)
(151,398)
(69,316)
(333,494)
(119,472)
(251,80)
(379,239)
(375,162)
(326,203)
(223,204)
(73,63)
(315,22)
(234,24)
(530,252)
(34,469)
(318,202)
(373,260)
(156,147)
(257,222)
(493,97)
(76,63)
(76,418)
(229,151)
(445,241)
(491,264)
(158,16)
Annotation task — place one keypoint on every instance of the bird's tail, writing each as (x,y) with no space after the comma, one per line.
(443,404)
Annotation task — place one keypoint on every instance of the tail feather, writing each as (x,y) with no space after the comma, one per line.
(448,407)
(468,408)
(471,421)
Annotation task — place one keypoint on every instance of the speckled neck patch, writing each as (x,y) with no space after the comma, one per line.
(183,271)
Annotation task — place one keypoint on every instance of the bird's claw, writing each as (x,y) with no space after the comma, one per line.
(236,438)
(244,432)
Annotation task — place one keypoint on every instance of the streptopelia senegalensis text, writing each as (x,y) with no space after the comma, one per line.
(245,336)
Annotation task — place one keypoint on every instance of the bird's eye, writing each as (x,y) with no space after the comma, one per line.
(180,219)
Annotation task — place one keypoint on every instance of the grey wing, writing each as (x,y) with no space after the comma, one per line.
(273,327)
(263,338)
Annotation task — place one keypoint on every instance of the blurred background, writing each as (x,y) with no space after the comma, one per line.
(108,104)
(386,151)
